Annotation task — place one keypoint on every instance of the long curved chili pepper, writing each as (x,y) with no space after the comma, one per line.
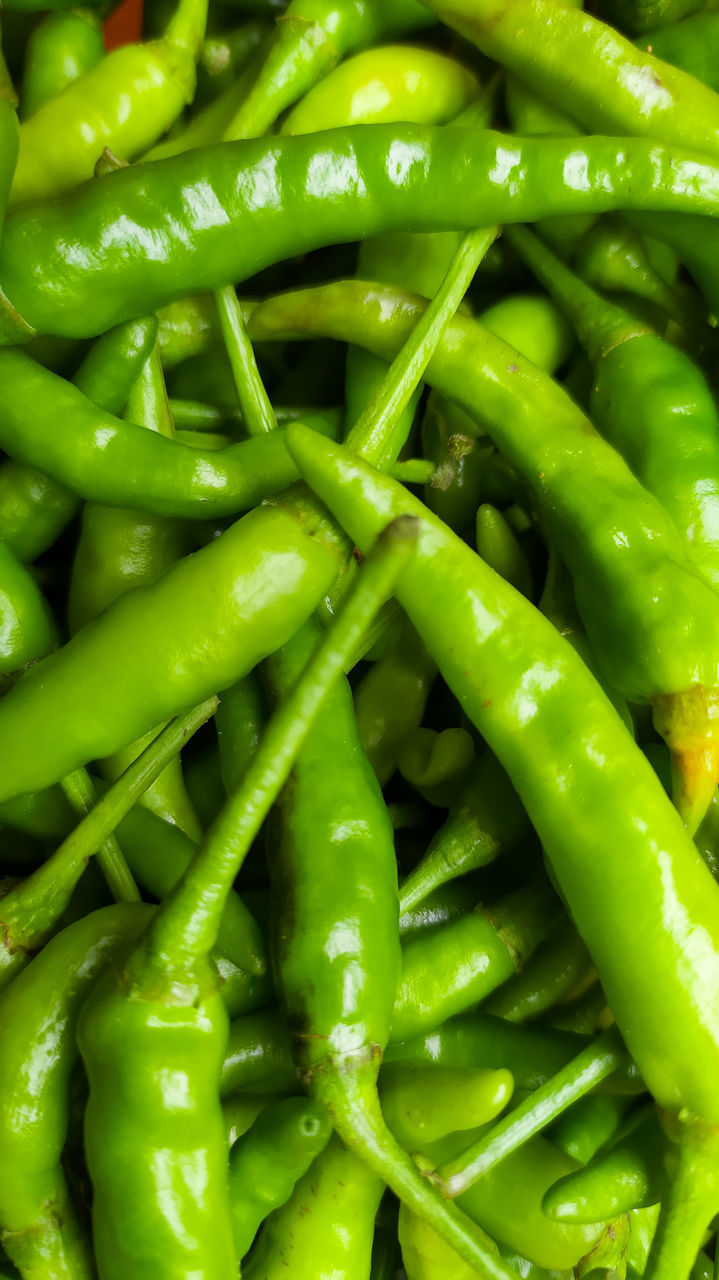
(641,385)
(213,218)
(39,1226)
(517,698)
(165,991)
(683,701)
(542,42)
(34,509)
(124,103)
(63,47)
(268,1161)
(118,463)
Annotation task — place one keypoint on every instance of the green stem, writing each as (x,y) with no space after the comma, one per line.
(186,28)
(413,471)
(690,1202)
(600,324)
(80,791)
(592,1065)
(29,912)
(371,436)
(349,1093)
(185,927)
(257,412)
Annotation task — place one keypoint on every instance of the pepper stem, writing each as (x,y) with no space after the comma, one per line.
(349,1092)
(689,724)
(690,1202)
(186,28)
(258,415)
(592,1065)
(80,791)
(372,435)
(185,927)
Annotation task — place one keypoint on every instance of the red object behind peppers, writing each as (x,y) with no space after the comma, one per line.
(124,25)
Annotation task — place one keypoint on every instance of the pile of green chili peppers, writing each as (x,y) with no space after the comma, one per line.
(359,641)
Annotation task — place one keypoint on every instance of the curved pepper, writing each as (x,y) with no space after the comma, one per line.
(138,238)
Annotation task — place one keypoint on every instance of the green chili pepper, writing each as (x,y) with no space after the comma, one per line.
(309,40)
(118,463)
(31,909)
(689,45)
(39,1226)
(327,1226)
(630,1175)
(162,1005)
(542,44)
(613,257)
(642,15)
(27,630)
(390,701)
(158,854)
(485,819)
(498,545)
(452,968)
(240,718)
(63,47)
(34,509)
(682,699)
(225,55)
(587,1125)
(385,177)
(125,103)
(268,1161)
(556,967)
(391,82)
(422,1103)
(436,764)
(520,1182)
(657,996)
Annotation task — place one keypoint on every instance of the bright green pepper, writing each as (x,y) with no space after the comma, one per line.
(124,103)
(138,238)
(63,47)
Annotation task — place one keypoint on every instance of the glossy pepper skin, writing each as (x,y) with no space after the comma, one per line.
(311,38)
(39,1227)
(125,103)
(541,42)
(34,508)
(174,639)
(524,702)
(153,1068)
(104,460)
(640,651)
(267,1162)
(213,218)
(326,1227)
(689,45)
(337,961)
(26,627)
(63,47)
